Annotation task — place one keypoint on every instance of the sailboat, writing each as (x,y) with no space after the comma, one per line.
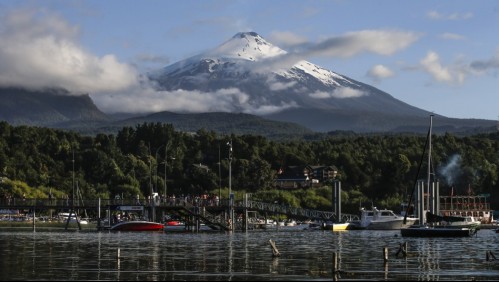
(425,229)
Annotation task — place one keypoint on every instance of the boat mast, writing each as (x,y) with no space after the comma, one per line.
(417,175)
(429,166)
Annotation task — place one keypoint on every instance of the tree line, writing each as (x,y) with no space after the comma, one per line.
(154,157)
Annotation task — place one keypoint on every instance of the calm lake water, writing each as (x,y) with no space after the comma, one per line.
(305,255)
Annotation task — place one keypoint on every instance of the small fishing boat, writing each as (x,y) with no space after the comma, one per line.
(137,225)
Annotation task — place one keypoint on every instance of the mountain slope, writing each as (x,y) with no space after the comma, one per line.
(54,107)
(239,123)
(294,90)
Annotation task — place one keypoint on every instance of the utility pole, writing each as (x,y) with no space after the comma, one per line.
(73,183)
(231,196)
(166,163)
(219,176)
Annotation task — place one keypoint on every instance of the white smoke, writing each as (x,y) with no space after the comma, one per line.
(452,169)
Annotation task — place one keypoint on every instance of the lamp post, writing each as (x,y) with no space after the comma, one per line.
(219,176)
(230,167)
(231,210)
(165,162)
(156,158)
(73,183)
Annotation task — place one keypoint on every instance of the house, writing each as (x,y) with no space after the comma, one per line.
(296,177)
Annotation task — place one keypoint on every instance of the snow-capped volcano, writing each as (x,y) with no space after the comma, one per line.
(265,80)
(246,45)
(253,53)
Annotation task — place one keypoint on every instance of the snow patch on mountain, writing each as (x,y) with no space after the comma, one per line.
(246,45)
(248,51)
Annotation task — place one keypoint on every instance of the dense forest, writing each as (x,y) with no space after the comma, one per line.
(154,157)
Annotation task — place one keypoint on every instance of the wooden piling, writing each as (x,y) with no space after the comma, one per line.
(275,251)
(336,269)
(403,249)
(385,254)
(335,262)
(492,255)
(489,256)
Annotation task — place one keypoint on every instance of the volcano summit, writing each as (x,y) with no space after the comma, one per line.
(265,80)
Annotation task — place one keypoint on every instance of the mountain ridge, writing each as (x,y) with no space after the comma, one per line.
(281,92)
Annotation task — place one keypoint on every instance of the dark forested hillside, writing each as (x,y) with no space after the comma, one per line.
(378,169)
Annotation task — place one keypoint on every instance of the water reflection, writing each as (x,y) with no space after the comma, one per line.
(305,255)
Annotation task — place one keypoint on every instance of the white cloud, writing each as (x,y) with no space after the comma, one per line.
(452,36)
(431,64)
(39,49)
(276,85)
(341,93)
(381,42)
(454,73)
(146,99)
(434,15)
(286,38)
(379,72)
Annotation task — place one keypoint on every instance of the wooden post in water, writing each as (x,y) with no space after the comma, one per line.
(403,249)
(118,258)
(335,266)
(275,251)
(98,215)
(385,259)
(34,216)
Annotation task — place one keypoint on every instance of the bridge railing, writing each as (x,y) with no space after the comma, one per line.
(172,202)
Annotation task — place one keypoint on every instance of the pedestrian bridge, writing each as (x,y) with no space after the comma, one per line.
(210,212)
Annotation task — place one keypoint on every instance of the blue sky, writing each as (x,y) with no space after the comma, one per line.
(445,59)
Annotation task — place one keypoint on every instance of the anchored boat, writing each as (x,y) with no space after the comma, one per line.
(427,228)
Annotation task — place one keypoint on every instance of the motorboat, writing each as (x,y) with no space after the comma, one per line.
(383,219)
(337,226)
(131,218)
(63,217)
(137,225)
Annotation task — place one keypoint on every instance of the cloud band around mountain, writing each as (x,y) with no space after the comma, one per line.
(40,50)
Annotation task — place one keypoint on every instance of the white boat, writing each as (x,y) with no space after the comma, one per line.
(383,220)
(454,221)
(431,224)
(63,216)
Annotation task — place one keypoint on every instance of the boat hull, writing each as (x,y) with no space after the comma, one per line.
(390,225)
(340,226)
(424,231)
(137,226)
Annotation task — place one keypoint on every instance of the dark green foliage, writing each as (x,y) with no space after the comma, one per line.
(372,168)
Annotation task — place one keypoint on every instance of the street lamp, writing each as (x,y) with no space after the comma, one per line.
(231,208)
(219,175)
(166,163)
(230,167)
(73,183)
